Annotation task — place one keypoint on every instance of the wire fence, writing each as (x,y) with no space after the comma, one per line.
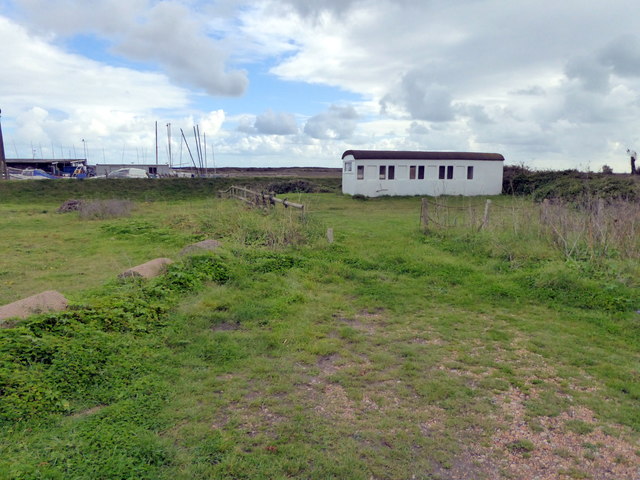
(591,228)
(439,214)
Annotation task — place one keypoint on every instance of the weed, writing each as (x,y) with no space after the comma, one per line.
(522,446)
(579,427)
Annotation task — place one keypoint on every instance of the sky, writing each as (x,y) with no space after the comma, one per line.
(272,83)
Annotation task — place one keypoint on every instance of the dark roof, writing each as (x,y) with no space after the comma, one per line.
(45,160)
(408,155)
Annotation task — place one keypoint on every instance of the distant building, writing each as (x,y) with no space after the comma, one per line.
(53,166)
(154,170)
(374,173)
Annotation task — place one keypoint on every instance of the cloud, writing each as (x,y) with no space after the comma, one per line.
(272,123)
(167,33)
(589,72)
(306,8)
(623,54)
(422,98)
(339,122)
(531,80)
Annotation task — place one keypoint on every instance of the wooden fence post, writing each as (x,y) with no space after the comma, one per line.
(424,214)
(485,218)
(330,235)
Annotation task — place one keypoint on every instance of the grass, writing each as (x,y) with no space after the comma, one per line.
(387,354)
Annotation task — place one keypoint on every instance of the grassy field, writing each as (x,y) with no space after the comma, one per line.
(389,354)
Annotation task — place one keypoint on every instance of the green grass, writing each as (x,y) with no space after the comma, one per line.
(381,355)
(144,190)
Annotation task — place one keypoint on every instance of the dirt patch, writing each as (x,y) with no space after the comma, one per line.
(365,321)
(88,412)
(334,403)
(552,451)
(225,326)
(327,365)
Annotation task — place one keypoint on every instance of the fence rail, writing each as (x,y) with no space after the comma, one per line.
(258,199)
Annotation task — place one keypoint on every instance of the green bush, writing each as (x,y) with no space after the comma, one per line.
(52,360)
(570,185)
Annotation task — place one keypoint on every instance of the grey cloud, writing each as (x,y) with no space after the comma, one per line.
(592,74)
(337,123)
(246,126)
(423,98)
(476,112)
(418,129)
(167,33)
(586,108)
(534,90)
(308,8)
(313,8)
(272,123)
(623,54)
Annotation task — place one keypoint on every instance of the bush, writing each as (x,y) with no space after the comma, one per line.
(292,186)
(101,209)
(90,351)
(569,185)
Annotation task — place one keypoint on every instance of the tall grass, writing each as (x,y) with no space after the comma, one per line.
(103,209)
(242,225)
(589,229)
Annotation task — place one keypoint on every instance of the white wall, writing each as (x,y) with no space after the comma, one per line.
(103,169)
(487,177)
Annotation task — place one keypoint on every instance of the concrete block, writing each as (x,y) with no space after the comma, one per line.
(205,245)
(49,301)
(150,269)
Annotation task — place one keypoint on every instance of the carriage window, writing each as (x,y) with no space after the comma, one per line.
(449,172)
(347,166)
(383,172)
(412,172)
(392,172)
(360,172)
(441,172)
(420,172)
(469,173)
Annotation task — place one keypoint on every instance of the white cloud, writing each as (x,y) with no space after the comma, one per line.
(167,33)
(339,122)
(276,123)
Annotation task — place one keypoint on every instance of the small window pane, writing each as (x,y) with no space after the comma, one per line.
(469,173)
(441,172)
(449,172)
(383,172)
(420,172)
(347,166)
(412,172)
(360,172)
(392,172)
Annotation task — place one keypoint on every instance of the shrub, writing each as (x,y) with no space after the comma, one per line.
(90,351)
(522,446)
(291,186)
(101,209)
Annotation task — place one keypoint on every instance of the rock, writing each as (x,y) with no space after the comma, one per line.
(49,301)
(150,269)
(206,245)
